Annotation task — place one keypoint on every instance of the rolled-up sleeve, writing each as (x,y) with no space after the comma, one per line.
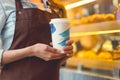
(2,23)
(1,52)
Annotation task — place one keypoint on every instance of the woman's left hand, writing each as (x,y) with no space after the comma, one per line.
(68,51)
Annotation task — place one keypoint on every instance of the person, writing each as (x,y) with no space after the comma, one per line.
(26,52)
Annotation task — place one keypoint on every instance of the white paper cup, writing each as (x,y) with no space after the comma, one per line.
(60,30)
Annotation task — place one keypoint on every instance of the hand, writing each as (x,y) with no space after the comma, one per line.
(68,51)
(46,52)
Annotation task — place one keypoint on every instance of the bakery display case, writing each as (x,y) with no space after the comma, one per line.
(96,52)
(96,43)
(96,35)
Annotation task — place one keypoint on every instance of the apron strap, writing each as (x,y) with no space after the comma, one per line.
(18,5)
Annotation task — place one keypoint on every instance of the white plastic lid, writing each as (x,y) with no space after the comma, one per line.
(59,20)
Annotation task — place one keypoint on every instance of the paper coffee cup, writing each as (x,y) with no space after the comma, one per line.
(60,31)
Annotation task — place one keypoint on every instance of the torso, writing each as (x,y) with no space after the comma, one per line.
(30,23)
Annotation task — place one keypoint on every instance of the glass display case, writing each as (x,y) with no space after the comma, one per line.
(96,51)
(95,29)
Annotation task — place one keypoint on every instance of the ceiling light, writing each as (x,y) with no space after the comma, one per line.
(79,3)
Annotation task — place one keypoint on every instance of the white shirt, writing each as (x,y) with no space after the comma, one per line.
(7,22)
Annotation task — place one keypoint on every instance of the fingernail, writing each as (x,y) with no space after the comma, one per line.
(58,51)
(67,54)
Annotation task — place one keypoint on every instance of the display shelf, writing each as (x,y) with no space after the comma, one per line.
(107,27)
(94,64)
(73,74)
(95,28)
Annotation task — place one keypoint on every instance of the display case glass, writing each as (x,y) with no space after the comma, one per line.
(95,29)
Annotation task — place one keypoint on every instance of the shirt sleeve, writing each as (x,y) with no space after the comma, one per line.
(2,23)
(1,52)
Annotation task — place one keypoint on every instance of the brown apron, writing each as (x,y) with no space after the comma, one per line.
(32,26)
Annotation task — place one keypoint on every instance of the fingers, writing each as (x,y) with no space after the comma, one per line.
(51,43)
(69,53)
(59,56)
(67,48)
(69,42)
(51,49)
(46,52)
(53,56)
(53,53)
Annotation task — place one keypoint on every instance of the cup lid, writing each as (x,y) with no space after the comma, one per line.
(60,20)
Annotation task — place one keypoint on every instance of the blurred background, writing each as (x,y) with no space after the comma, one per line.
(95,29)
(80,8)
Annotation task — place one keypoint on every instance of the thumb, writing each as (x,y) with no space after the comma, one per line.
(51,43)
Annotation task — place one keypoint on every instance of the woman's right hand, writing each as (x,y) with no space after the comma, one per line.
(45,52)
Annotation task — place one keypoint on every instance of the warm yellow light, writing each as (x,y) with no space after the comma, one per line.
(79,3)
(93,33)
